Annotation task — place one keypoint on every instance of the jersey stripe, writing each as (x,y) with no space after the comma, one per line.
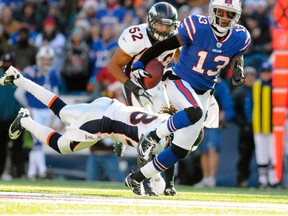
(158,165)
(186,93)
(52,101)
(247,43)
(190,27)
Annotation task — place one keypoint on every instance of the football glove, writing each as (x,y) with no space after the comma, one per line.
(142,96)
(238,78)
(138,73)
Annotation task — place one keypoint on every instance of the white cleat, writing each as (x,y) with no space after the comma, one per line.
(16,128)
(10,75)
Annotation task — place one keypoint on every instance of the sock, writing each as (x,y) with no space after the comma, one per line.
(39,92)
(138,176)
(48,98)
(169,176)
(175,122)
(41,132)
(154,135)
(160,163)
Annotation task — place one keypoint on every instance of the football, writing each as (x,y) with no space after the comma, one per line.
(158,183)
(155,68)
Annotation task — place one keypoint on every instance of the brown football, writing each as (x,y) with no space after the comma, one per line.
(155,68)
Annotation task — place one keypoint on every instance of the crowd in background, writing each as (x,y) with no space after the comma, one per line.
(84,34)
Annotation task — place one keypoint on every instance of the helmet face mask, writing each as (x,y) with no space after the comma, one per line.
(162,21)
(224,16)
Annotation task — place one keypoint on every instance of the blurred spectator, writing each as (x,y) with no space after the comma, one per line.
(183,12)
(23,51)
(95,30)
(50,36)
(210,146)
(27,14)
(243,107)
(89,10)
(84,25)
(262,127)
(259,27)
(9,111)
(100,54)
(102,164)
(8,22)
(4,45)
(43,74)
(141,14)
(77,8)
(127,4)
(75,72)
(112,13)
(54,12)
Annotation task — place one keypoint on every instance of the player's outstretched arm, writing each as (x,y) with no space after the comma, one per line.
(158,48)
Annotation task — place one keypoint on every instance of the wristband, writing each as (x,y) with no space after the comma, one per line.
(130,85)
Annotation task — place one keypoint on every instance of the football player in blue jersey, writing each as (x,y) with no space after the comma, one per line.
(209,43)
(134,40)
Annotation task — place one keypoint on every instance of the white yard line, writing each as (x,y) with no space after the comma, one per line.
(72,199)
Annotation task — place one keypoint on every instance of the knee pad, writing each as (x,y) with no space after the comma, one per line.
(194,114)
(179,152)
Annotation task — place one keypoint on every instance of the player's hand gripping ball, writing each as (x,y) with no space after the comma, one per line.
(155,68)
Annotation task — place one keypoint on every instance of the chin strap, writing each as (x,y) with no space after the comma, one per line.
(218,33)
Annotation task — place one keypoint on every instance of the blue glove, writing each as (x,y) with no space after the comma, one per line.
(137,65)
(138,73)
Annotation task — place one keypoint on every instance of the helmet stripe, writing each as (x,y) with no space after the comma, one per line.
(228,1)
(167,8)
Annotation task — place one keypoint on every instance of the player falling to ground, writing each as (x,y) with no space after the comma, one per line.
(86,123)
(134,40)
(209,43)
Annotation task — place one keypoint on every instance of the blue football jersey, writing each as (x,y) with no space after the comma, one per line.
(48,81)
(203,55)
(99,54)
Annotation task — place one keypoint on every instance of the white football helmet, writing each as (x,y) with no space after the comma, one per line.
(44,58)
(232,6)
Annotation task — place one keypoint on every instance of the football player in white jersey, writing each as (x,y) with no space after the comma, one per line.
(134,40)
(87,123)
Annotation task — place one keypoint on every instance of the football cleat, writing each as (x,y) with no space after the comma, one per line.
(150,192)
(16,128)
(9,76)
(170,191)
(119,149)
(146,146)
(135,186)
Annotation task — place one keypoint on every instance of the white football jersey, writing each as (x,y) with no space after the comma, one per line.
(108,118)
(134,41)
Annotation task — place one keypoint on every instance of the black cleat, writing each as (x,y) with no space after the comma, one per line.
(16,128)
(119,149)
(136,187)
(170,191)
(146,146)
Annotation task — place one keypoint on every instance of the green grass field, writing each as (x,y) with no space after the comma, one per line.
(80,197)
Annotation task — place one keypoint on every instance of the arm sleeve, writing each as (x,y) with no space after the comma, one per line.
(158,48)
